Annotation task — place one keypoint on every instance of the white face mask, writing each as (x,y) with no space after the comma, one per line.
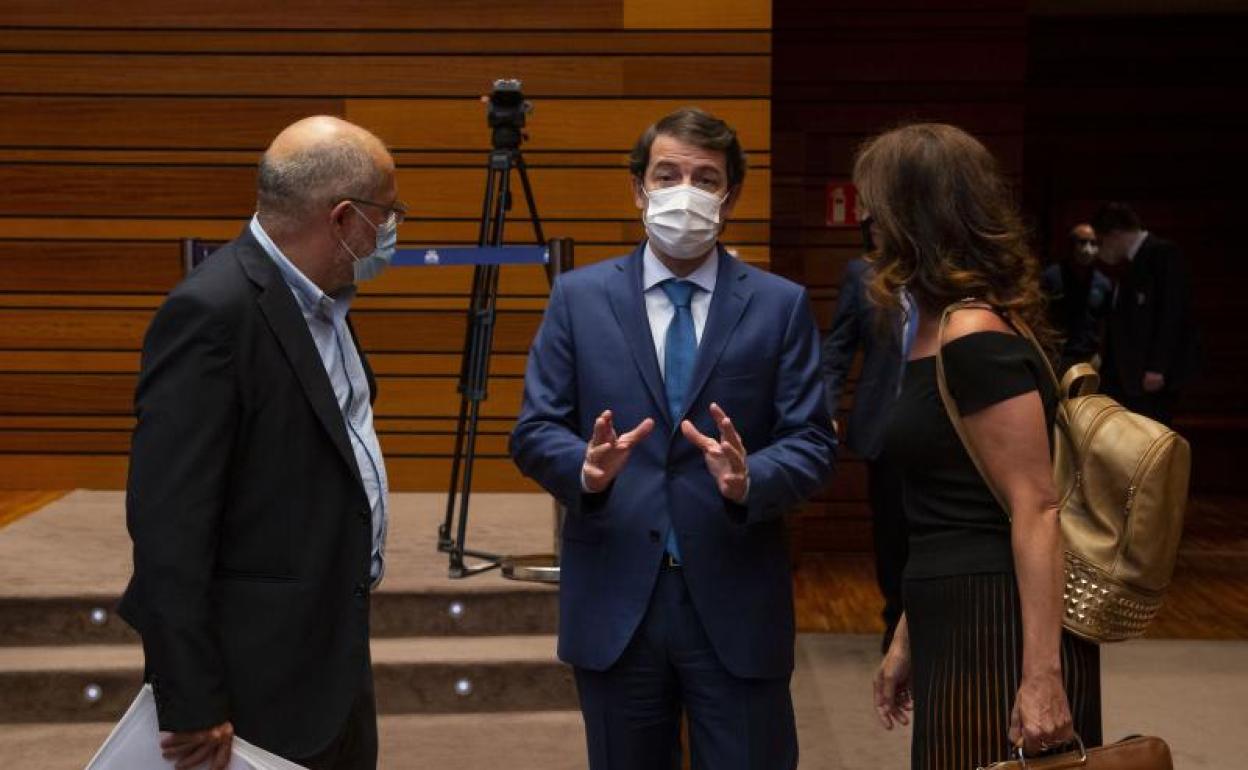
(372,265)
(683,222)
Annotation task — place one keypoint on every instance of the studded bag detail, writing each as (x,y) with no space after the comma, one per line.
(1123,481)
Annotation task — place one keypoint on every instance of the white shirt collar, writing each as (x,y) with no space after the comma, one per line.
(1135,247)
(654,272)
(309,296)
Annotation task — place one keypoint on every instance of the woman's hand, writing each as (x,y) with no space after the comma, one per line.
(1041,717)
(893,698)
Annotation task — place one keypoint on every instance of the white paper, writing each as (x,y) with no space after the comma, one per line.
(134,744)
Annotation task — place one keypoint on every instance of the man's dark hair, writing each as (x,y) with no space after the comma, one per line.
(1116,217)
(699,128)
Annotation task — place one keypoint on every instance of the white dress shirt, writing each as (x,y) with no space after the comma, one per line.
(659,309)
(326,317)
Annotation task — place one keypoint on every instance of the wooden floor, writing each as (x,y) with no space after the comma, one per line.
(836,592)
(1207,600)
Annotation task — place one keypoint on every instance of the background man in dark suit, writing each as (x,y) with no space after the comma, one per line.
(1149,340)
(857,324)
(257,491)
(676,587)
(1079,296)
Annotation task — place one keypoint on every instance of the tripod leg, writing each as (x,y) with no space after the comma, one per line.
(529,200)
(445,542)
(478,393)
(482,346)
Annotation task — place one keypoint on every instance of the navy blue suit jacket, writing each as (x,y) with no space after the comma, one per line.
(856,323)
(759,360)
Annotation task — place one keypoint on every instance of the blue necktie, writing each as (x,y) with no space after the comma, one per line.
(679,353)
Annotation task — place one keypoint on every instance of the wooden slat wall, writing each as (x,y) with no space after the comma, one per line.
(843,71)
(130,127)
(1151,110)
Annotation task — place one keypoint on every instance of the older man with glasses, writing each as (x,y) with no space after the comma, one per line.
(257,491)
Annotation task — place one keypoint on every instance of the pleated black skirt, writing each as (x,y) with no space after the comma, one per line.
(966,643)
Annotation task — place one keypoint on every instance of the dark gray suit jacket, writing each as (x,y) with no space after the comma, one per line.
(856,324)
(252,531)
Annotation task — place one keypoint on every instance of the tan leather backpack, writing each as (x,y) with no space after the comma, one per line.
(1123,481)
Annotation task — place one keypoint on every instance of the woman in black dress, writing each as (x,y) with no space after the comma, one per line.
(980,654)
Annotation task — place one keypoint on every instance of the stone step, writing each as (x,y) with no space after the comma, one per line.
(458,609)
(62,569)
(543,740)
(427,675)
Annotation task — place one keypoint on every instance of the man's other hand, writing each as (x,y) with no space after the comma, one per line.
(191,750)
(725,458)
(608,452)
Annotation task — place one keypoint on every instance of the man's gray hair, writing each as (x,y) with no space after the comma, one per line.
(291,188)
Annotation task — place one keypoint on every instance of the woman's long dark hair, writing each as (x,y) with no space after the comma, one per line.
(947,225)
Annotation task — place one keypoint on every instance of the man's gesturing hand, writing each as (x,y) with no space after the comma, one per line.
(607,452)
(725,459)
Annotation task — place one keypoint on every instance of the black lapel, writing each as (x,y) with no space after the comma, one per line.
(281,310)
(629,306)
(732,294)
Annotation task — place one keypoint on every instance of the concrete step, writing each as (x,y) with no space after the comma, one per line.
(429,675)
(456,609)
(62,569)
(544,740)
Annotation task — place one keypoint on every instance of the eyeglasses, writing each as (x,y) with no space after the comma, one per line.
(397,210)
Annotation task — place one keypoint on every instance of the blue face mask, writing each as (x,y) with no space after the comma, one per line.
(372,265)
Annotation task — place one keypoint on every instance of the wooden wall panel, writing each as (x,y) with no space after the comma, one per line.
(843,72)
(75,189)
(582,125)
(127,131)
(95,123)
(401,41)
(374,15)
(1150,111)
(123,74)
(1078,111)
(692,14)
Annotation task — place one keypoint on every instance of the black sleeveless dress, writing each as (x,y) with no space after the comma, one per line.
(961,595)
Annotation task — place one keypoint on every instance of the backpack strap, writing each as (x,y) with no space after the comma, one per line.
(1080,380)
(946,398)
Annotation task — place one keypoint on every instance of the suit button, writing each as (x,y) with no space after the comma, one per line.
(654,536)
(364,516)
(361,590)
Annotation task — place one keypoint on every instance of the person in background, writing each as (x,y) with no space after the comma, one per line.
(980,654)
(1150,345)
(1078,295)
(257,491)
(859,324)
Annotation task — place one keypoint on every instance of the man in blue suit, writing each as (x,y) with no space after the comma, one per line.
(676,587)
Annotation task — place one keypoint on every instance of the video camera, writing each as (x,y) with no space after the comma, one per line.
(506,112)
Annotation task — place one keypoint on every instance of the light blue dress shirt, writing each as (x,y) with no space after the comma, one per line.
(659,310)
(326,317)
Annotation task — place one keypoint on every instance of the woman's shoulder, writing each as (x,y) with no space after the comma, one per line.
(987,360)
(966,321)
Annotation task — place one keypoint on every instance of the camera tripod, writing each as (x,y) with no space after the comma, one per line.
(478,346)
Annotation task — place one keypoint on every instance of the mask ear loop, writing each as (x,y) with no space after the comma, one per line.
(376,230)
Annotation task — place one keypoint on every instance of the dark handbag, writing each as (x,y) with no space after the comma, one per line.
(1140,752)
